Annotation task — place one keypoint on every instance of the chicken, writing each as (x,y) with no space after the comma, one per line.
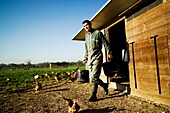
(73,77)
(36,76)
(48,75)
(38,86)
(65,74)
(69,103)
(56,77)
(8,79)
(75,107)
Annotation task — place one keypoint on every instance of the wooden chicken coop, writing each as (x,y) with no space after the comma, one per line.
(142,29)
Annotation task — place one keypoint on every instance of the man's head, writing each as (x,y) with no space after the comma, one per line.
(87,25)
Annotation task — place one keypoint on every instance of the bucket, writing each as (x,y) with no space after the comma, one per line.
(82,75)
(110,68)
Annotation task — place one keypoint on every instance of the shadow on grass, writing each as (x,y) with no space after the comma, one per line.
(102,110)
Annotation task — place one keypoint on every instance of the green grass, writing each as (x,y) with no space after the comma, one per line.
(22,79)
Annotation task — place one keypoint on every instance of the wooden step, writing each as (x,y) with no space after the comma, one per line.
(121,86)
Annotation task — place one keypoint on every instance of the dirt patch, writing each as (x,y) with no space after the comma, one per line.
(49,100)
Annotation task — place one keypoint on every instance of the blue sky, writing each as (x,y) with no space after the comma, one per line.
(42,30)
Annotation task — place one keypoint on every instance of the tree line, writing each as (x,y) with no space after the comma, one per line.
(29,65)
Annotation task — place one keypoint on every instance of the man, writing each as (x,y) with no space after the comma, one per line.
(94,40)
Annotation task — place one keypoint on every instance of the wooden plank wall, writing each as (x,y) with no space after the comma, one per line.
(139,30)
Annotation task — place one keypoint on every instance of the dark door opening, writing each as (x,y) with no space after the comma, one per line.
(117,36)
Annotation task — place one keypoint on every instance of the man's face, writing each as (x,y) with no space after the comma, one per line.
(87,27)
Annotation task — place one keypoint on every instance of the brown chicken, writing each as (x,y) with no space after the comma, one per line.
(38,87)
(65,74)
(48,75)
(69,103)
(73,77)
(56,77)
(75,107)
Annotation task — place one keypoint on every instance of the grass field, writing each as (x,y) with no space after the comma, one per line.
(23,79)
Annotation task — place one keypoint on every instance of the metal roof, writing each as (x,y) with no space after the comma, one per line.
(109,13)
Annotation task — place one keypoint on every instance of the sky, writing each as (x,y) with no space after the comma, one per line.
(42,30)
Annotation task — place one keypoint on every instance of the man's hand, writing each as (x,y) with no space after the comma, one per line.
(110,57)
(84,61)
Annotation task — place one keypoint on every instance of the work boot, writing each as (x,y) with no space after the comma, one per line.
(106,91)
(93,98)
(105,86)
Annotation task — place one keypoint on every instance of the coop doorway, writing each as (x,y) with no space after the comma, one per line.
(119,45)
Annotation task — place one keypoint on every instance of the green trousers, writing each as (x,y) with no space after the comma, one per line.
(95,70)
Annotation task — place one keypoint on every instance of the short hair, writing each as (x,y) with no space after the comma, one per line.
(86,21)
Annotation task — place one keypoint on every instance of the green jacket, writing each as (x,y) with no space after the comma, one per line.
(93,46)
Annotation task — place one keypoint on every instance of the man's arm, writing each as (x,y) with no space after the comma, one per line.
(107,46)
(86,54)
